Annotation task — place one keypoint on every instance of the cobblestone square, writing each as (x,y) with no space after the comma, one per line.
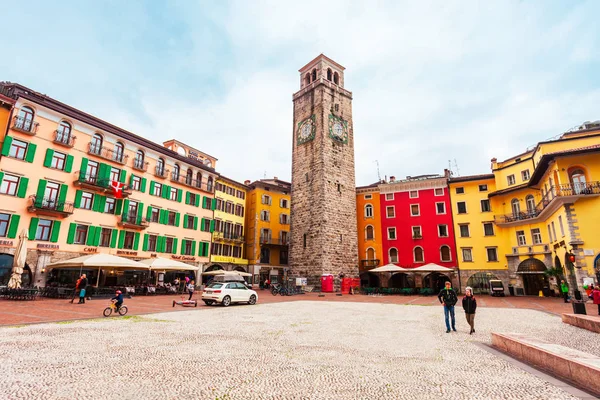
(292,350)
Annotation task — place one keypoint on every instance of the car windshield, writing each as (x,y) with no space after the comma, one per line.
(495,284)
(215,286)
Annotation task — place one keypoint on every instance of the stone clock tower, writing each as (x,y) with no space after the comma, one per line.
(323,204)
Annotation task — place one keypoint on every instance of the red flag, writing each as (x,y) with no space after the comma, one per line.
(117,189)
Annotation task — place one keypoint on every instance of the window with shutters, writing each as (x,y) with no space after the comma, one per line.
(152,239)
(58,160)
(173,194)
(44,229)
(285,219)
(115,174)
(129,240)
(445,255)
(187,248)
(132,211)
(136,183)
(86,201)
(18,149)
(157,190)
(521,240)
(206,225)
(284,203)
(415,210)
(393,255)
(171,218)
(109,207)
(4,220)
(169,245)
(266,199)
(80,233)
(237,252)
(536,236)
(390,212)
(51,194)
(154,214)
(264,215)
(189,221)
(193,198)
(105,236)
(9,185)
(92,171)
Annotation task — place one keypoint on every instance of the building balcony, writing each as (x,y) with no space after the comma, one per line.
(23,125)
(269,241)
(556,197)
(531,250)
(191,182)
(94,183)
(133,221)
(140,164)
(161,172)
(107,153)
(50,207)
(228,236)
(63,139)
(366,265)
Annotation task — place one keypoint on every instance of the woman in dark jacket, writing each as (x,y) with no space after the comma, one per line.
(470,305)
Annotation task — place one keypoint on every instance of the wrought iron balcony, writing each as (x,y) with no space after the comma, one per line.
(94,183)
(228,236)
(49,206)
(133,221)
(64,139)
(191,182)
(140,164)
(107,153)
(369,264)
(25,125)
(161,172)
(268,240)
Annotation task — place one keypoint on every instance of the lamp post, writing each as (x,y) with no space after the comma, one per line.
(578,304)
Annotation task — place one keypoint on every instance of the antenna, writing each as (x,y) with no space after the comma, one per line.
(378,174)
(456,166)
(265,175)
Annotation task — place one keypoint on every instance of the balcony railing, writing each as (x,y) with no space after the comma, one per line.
(64,139)
(369,264)
(274,241)
(140,164)
(109,154)
(417,236)
(161,172)
(50,206)
(134,221)
(191,182)
(562,190)
(228,236)
(92,181)
(25,125)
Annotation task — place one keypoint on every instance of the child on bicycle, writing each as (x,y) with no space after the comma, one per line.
(119,299)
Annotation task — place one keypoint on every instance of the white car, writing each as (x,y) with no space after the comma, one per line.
(227,293)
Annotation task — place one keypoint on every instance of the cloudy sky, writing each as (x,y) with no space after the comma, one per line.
(432,81)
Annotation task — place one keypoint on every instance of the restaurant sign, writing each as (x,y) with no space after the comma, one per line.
(8,243)
(90,249)
(183,258)
(127,253)
(45,246)
(232,260)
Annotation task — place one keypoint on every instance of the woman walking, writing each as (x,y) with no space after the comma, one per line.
(596,296)
(470,305)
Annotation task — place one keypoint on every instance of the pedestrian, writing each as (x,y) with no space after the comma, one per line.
(176,284)
(76,288)
(448,298)
(564,289)
(82,287)
(470,305)
(190,288)
(596,296)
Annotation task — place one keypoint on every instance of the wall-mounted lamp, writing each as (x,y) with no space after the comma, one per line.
(43,270)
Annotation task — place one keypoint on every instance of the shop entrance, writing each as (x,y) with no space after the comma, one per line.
(532,272)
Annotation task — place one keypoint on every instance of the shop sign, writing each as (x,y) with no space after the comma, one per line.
(90,249)
(127,253)
(232,260)
(153,255)
(588,252)
(47,246)
(183,258)
(8,243)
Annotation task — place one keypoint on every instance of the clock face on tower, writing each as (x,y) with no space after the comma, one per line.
(306,130)
(338,129)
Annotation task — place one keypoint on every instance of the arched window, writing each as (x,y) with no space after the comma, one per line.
(445,254)
(418,254)
(96,144)
(209,184)
(393,255)
(307,78)
(119,151)
(370,253)
(577,177)
(25,119)
(160,167)
(63,133)
(530,201)
(176,171)
(139,159)
(516,207)
(336,78)
(314,74)
(198,179)
(189,176)
(329,75)
(368,211)
(369,232)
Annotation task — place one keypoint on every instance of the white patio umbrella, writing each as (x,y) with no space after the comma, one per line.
(432,267)
(389,268)
(164,264)
(19,261)
(216,272)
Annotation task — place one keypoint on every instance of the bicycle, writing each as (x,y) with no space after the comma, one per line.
(113,307)
(276,289)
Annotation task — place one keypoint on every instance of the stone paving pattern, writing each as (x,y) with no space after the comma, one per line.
(286,350)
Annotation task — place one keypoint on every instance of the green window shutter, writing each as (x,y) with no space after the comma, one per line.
(204,201)
(30,153)
(212,225)
(177,218)
(145,243)
(78,198)
(166,191)
(121,239)
(131,179)
(6,145)
(214,204)
(84,165)
(118,206)
(71,234)
(174,246)
(22,191)
(160,244)
(1,177)
(89,241)
(102,204)
(205,249)
(113,238)
(202,225)
(200,246)
(143,185)
(55,231)
(97,236)
(14,226)
(123,176)
(152,183)
(69,164)
(161,216)
(182,247)
(125,207)
(195,223)
(185,224)
(41,190)
(193,247)
(62,196)
(187,197)
(197,204)
(33,228)
(148,213)
(140,211)
(48,158)
(136,241)
(96,202)
(179,195)
(102,172)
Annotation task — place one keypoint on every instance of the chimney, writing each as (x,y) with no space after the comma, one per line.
(447,173)
(392,178)
(275,178)
(246,182)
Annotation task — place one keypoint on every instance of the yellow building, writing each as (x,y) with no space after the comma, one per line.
(227,250)
(268,228)
(545,210)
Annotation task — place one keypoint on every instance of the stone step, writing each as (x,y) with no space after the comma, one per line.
(589,322)
(575,366)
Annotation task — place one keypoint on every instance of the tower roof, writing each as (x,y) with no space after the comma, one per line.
(320,57)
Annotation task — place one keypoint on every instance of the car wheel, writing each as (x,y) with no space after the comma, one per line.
(208,302)
(252,300)
(226,301)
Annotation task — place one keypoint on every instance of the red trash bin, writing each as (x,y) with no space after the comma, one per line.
(327,283)
(346,283)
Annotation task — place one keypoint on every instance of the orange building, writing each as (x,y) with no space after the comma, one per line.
(57,169)
(368,215)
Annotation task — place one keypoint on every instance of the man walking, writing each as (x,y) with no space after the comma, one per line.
(564,289)
(82,289)
(448,298)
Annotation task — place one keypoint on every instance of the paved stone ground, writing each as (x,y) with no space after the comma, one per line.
(290,350)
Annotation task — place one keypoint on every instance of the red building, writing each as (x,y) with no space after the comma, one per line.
(416,222)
